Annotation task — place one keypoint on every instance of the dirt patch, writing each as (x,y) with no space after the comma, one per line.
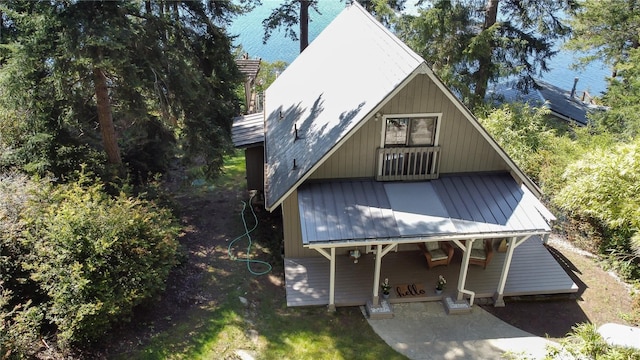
(601,298)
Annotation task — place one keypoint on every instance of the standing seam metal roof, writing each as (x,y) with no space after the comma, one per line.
(358,210)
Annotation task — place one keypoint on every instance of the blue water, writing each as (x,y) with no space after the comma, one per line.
(249,31)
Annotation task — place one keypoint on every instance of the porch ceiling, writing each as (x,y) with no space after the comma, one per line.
(485,205)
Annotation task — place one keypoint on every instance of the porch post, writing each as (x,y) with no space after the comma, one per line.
(498,300)
(376,275)
(332,281)
(464,267)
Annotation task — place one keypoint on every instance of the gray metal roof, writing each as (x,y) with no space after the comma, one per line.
(558,100)
(248,130)
(348,70)
(485,205)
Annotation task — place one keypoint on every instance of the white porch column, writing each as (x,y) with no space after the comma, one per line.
(376,275)
(464,268)
(332,281)
(331,256)
(498,297)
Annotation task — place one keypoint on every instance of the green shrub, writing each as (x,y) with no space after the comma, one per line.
(584,342)
(19,327)
(521,131)
(96,256)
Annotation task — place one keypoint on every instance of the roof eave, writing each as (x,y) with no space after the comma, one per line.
(417,239)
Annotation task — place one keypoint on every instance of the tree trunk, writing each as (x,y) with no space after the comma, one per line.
(304,24)
(482,78)
(105,118)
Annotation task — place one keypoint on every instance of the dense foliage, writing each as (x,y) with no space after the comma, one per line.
(78,256)
(115,85)
(473,43)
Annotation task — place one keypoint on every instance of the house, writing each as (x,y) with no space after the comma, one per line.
(371,158)
(562,104)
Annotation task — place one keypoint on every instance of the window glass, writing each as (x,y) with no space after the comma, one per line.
(410,131)
(421,132)
(396,133)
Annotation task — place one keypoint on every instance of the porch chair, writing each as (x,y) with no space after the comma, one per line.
(481,252)
(436,253)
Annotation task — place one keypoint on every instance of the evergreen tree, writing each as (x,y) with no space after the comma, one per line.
(493,40)
(605,30)
(296,12)
(141,80)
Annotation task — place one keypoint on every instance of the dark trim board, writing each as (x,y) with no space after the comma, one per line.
(534,271)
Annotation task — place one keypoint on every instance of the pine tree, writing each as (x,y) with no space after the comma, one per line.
(140,83)
(494,39)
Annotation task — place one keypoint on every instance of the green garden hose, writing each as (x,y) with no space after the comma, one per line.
(247,233)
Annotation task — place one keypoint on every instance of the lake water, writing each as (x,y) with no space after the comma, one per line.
(249,32)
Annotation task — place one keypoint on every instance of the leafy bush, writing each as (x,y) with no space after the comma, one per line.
(521,131)
(19,321)
(584,342)
(95,256)
(19,327)
(603,185)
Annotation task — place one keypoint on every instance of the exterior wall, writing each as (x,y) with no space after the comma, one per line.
(463,147)
(291,229)
(254,158)
(357,156)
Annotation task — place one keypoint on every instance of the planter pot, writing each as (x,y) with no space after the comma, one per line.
(385,296)
(438,291)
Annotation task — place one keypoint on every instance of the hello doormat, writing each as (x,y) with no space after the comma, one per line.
(410,290)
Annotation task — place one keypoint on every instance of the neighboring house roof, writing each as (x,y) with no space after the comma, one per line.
(248,130)
(489,205)
(323,97)
(557,100)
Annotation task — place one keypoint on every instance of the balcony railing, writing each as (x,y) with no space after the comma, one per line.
(408,163)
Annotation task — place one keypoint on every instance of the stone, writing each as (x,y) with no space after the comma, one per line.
(456,307)
(620,335)
(381,311)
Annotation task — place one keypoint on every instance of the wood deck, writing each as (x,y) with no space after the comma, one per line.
(533,271)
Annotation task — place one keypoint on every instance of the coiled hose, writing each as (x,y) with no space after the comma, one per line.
(247,233)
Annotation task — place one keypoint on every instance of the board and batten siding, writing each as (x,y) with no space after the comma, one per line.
(357,157)
(463,148)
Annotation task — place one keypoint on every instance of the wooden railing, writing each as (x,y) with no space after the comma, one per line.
(408,163)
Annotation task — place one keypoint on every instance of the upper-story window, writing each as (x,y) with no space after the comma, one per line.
(410,131)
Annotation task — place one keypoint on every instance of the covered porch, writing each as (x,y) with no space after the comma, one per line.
(533,271)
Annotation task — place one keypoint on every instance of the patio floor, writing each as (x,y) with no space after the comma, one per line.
(534,271)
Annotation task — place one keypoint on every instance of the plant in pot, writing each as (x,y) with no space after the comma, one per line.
(441,284)
(385,288)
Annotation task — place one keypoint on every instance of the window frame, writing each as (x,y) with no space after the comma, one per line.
(408,117)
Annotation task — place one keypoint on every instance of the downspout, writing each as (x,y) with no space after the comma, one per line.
(464,268)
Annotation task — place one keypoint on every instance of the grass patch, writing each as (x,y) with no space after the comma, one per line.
(264,325)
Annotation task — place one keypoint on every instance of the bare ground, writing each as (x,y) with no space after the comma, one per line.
(601,298)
